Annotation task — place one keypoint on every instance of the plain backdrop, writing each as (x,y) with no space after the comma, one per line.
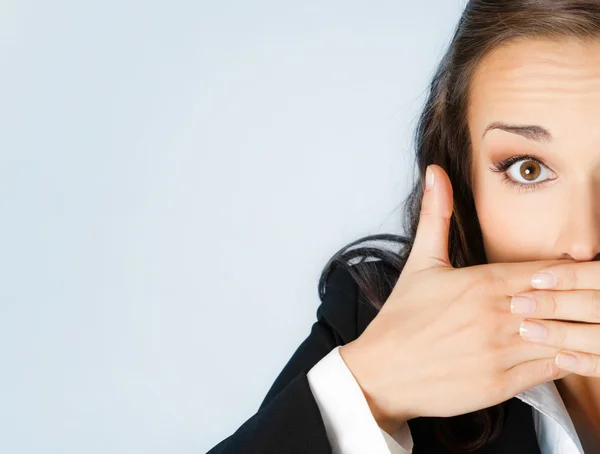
(173,177)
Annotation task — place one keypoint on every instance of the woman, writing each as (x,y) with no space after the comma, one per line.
(430,349)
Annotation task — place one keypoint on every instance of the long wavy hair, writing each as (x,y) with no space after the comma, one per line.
(442,137)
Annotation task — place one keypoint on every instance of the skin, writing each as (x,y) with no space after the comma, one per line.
(556,85)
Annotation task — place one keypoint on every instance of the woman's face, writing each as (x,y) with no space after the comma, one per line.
(549,205)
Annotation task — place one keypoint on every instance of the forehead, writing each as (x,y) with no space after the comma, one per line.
(551,83)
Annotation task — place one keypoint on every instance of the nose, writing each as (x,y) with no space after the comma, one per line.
(580,233)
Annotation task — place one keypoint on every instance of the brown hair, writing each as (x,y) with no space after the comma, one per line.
(442,138)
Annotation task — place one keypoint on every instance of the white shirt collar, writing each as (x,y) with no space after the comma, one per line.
(546,399)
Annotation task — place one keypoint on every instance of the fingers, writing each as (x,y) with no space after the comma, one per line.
(510,278)
(580,342)
(526,375)
(569,276)
(430,248)
(579,363)
(564,335)
(539,357)
(575,305)
(521,351)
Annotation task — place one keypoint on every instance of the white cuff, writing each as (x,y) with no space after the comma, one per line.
(350,425)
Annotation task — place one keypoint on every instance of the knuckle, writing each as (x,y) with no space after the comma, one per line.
(552,302)
(549,369)
(548,300)
(502,355)
(594,306)
(514,344)
(496,283)
(560,334)
(476,296)
(491,323)
(486,277)
(589,365)
(492,344)
(494,334)
(568,276)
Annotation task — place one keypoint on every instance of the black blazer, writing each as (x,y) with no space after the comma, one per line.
(288,420)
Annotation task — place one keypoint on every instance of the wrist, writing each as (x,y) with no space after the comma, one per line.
(384,419)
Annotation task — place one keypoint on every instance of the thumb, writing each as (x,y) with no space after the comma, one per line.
(430,248)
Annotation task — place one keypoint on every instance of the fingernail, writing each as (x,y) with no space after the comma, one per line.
(543,280)
(429,178)
(522,305)
(565,361)
(532,330)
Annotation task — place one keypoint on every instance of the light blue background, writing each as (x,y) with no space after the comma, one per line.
(173,177)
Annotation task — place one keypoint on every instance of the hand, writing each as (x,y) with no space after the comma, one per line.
(574,296)
(445,342)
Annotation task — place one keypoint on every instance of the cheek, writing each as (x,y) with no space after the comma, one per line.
(512,222)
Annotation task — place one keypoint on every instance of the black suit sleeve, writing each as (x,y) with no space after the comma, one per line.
(288,420)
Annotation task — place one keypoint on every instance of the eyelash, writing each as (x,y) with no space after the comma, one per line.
(504,165)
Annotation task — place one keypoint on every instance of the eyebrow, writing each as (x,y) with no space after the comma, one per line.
(532,132)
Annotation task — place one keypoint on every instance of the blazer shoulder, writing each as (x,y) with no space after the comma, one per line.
(344,305)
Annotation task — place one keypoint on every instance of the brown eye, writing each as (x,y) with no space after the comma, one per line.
(530,170)
(522,171)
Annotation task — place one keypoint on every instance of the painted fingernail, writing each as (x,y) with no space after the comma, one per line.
(543,280)
(532,330)
(565,361)
(522,305)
